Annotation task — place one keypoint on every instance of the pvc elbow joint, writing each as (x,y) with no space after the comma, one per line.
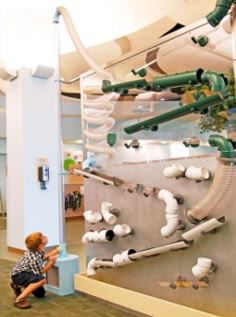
(107,213)
(92,217)
(175,170)
(172,225)
(122,230)
(203,267)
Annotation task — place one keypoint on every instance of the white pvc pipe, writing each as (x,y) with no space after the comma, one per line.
(160,249)
(122,230)
(98,236)
(204,227)
(108,216)
(202,267)
(197,173)
(104,180)
(172,218)
(94,264)
(174,170)
(99,115)
(123,258)
(171,226)
(92,217)
(79,46)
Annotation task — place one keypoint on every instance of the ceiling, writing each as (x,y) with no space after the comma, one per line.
(158,37)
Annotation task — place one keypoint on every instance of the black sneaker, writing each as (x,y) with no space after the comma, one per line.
(16,289)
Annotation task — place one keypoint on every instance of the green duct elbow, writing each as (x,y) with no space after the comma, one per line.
(224,145)
(221,10)
(215,80)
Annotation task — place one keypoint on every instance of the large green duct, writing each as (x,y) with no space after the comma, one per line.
(197,106)
(192,77)
(224,145)
(220,11)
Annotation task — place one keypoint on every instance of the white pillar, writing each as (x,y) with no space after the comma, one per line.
(33,136)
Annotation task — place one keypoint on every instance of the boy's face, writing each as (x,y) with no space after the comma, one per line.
(44,241)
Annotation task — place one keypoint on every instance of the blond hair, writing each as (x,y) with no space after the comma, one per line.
(33,241)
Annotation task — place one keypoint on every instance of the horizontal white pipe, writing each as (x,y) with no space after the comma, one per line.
(161,249)
(123,258)
(104,180)
(174,170)
(98,236)
(204,227)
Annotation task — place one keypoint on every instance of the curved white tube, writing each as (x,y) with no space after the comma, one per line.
(197,173)
(202,267)
(98,236)
(204,227)
(174,170)
(92,217)
(171,226)
(108,216)
(122,230)
(79,46)
(94,264)
(172,218)
(96,112)
(123,258)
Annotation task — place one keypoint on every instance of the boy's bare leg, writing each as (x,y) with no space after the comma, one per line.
(29,289)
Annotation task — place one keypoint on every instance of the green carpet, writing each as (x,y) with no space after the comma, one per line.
(52,305)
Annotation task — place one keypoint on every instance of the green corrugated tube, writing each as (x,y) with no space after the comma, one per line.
(224,145)
(221,9)
(192,77)
(180,112)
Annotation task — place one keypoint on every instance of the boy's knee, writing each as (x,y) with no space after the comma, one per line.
(39,292)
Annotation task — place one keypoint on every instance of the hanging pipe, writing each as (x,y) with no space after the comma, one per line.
(77,42)
(222,181)
(97,113)
(222,7)
(194,107)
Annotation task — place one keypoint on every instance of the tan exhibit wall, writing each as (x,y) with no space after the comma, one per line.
(146,216)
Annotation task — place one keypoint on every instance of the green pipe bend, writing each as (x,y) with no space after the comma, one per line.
(222,7)
(215,80)
(223,144)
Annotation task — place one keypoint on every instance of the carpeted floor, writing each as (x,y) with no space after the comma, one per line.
(52,305)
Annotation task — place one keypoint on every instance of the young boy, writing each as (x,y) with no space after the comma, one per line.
(27,275)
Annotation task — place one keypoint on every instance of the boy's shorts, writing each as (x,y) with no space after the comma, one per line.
(26,278)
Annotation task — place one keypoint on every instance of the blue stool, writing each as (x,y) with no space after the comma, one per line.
(60,277)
